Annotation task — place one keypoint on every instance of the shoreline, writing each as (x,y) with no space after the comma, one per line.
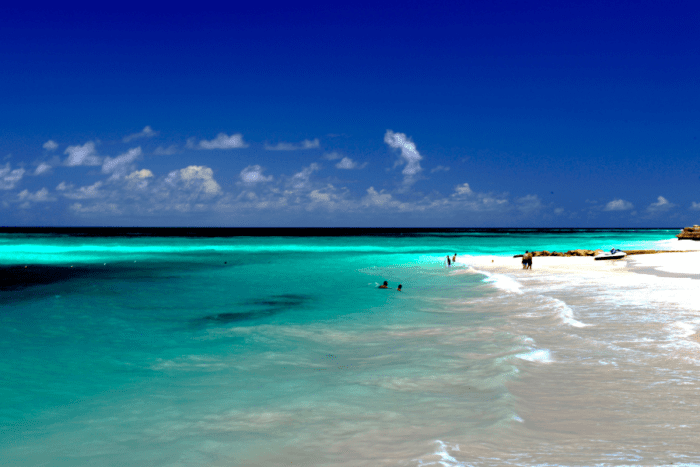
(582,252)
(671,264)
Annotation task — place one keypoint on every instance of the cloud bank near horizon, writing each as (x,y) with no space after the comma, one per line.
(132,186)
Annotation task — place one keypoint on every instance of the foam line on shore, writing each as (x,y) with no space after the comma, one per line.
(536,356)
(566,313)
(501,281)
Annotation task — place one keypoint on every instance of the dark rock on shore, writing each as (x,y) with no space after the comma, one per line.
(578,252)
(690,233)
(595,252)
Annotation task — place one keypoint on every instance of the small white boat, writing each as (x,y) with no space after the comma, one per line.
(612,254)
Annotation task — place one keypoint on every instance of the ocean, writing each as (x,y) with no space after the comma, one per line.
(276,347)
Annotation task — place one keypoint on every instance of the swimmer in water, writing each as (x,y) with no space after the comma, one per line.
(385,285)
(399,289)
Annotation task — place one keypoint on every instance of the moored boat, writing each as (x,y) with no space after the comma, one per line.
(612,254)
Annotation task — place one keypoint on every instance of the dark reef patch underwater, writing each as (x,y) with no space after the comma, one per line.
(262,308)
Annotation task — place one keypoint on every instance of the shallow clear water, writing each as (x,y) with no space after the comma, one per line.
(283,351)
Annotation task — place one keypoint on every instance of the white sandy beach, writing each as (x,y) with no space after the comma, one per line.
(685,263)
(670,280)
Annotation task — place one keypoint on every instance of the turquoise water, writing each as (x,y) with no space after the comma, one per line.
(264,350)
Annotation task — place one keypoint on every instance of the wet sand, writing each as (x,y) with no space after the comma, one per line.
(619,383)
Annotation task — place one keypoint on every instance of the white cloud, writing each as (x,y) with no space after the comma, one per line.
(147,132)
(140,174)
(301,179)
(138,180)
(254,174)
(82,155)
(162,151)
(410,156)
(464,198)
(189,190)
(42,168)
(618,205)
(195,179)
(9,178)
(463,189)
(318,197)
(329,198)
(85,192)
(103,209)
(332,156)
(439,168)
(662,204)
(63,186)
(306,144)
(120,165)
(307,196)
(559,211)
(379,199)
(223,141)
(40,196)
(50,145)
(347,163)
(695,206)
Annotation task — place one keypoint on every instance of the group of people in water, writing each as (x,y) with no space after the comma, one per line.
(385,285)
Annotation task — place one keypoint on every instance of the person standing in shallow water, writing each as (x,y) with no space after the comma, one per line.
(454,258)
(448,261)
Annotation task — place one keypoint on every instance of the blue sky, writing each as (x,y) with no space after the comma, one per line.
(485,114)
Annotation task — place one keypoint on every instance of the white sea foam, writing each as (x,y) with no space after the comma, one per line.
(443,456)
(537,356)
(566,313)
(189,363)
(686,329)
(501,281)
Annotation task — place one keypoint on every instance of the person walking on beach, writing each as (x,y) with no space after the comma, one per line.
(454,258)
(527,260)
(448,261)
